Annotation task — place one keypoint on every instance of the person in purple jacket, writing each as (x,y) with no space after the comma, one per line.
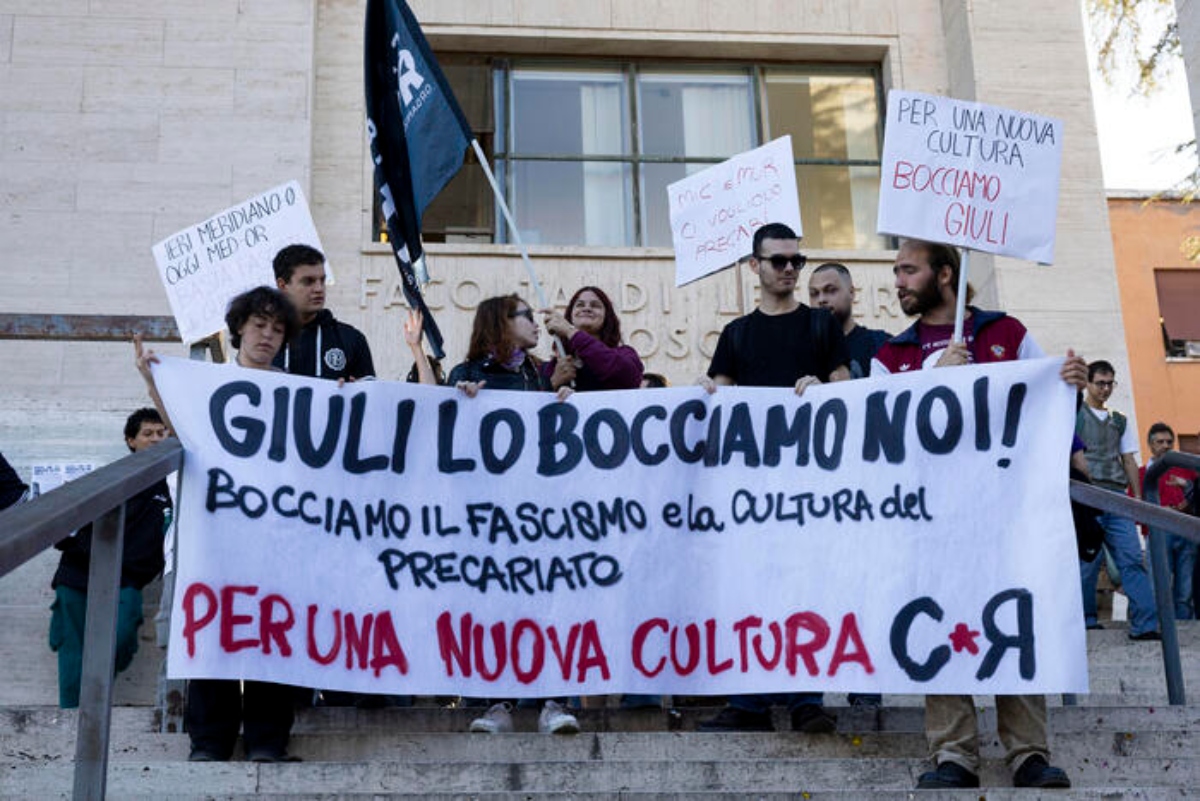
(596,359)
(591,333)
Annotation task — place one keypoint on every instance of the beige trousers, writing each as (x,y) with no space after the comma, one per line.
(953,730)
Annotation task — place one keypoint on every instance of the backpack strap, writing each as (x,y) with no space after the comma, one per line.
(819,334)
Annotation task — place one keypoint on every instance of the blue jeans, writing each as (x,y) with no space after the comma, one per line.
(762,703)
(1181,564)
(1121,539)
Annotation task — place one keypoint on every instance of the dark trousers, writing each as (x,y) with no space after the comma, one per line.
(217,708)
(67,624)
(763,702)
(1196,587)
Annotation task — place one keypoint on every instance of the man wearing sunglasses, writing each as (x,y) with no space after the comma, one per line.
(782,343)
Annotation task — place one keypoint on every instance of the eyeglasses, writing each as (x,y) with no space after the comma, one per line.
(780,262)
(526,313)
(1105,384)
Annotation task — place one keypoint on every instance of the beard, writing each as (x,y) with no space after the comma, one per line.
(841,315)
(919,301)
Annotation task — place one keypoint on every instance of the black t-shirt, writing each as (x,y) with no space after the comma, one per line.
(863,343)
(777,350)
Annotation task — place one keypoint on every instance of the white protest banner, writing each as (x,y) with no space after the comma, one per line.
(206,265)
(980,177)
(908,535)
(715,212)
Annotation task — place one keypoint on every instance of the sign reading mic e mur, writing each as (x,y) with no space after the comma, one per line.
(907,535)
(715,212)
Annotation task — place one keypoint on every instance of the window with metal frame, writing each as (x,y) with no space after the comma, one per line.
(584,149)
(1178,299)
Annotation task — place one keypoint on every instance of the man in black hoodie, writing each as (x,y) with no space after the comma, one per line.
(325,347)
(146,518)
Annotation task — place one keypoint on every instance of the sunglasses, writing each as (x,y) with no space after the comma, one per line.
(526,313)
(780,263)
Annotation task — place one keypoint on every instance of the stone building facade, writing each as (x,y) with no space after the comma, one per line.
(1160,289)
(122,121)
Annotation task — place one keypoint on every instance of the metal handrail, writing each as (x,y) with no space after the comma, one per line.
(1154,472)
(1159,517)
(28,529)
(1160,522)
(1162,572)
(87,327)
(99,498)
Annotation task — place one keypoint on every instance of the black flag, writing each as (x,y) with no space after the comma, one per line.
(418,136)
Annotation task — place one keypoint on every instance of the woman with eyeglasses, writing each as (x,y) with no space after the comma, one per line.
(591,334)
(502,336)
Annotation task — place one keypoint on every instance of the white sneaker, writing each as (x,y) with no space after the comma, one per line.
(556,720)
(497,720)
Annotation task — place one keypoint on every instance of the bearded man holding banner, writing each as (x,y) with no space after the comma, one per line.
(926,282)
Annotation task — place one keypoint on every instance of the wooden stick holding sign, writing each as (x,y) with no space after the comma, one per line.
(960,307)
(741,291)
(543,303)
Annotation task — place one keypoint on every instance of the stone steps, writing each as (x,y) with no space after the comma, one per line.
(532,747)
(678,775)
(990,794)
(1110,752)
(1120,742)
(128,722)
